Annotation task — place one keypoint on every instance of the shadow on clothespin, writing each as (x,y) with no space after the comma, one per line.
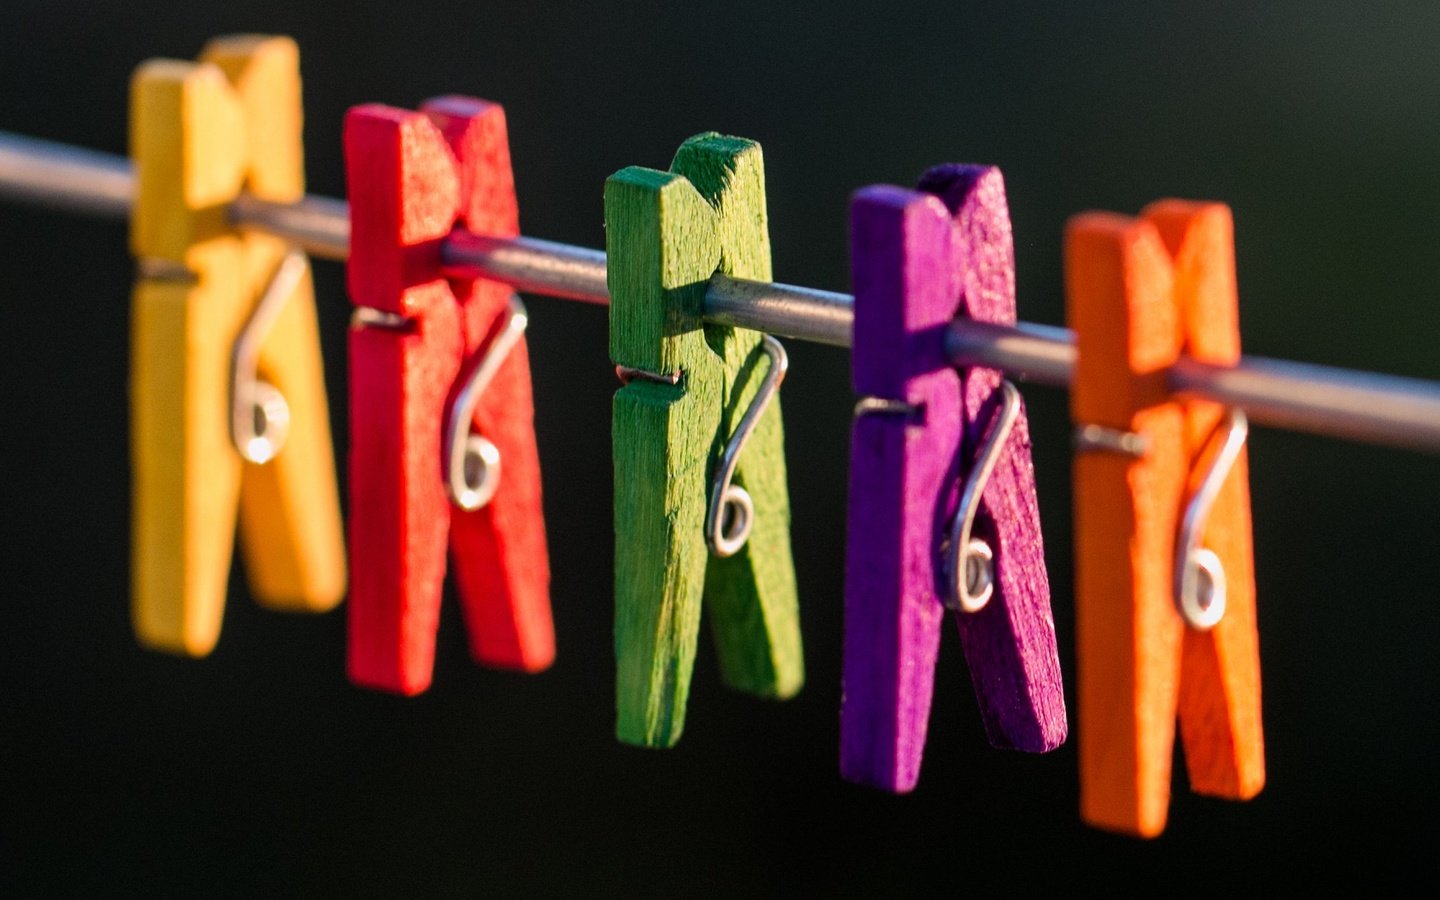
(693,514)
(227,389)
(942,509)
(1165,587)
(442,439)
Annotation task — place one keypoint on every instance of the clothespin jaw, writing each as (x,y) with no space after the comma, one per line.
(1141,292)
(688,385)
(920,259)
(201,133)
(422,342)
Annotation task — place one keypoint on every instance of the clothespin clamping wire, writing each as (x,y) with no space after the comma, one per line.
(227,390)
(442,438)
(942,509)
(694,515)
(1165,585)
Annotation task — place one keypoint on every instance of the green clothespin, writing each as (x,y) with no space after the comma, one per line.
(688,389)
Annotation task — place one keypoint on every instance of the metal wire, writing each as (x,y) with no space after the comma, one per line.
(731,512)
(971,561)
(472,461)
(1200,587)
(1357,406)
(65,177)
(259,413)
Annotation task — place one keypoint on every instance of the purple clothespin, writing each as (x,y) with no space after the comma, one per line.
(930,443)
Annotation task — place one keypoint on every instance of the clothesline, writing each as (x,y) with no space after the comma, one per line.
(1353,405)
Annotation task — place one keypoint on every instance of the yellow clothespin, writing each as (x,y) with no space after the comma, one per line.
(227,391)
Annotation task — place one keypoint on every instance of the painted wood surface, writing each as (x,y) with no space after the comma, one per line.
(292,534)
(1220,721)
(919,259)
(1009,645)
(667,233)
(413,177)
(1139,293)
(200,134)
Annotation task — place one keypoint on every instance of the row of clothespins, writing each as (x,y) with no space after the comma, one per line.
(229,409)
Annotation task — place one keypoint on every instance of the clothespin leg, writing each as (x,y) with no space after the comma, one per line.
(657,620)
(186,473)
(751,596)
(900,253)
(1128,635)
(1220,720)
(399,381)
(291,532)
(187,136)
(499,551)
(660,233)
(1010,644)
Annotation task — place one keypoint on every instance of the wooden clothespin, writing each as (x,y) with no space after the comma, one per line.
(942,489)
(686,499)
(1165,596)
(442,440)
(226,384)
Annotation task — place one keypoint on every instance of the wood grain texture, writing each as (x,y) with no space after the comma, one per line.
(500,554)
(1140,292)
(200,134)
(1010,644)
(918,263)
(666,234)
(413,176)
(750,597)
(899,467)
(662,246)
(399,513)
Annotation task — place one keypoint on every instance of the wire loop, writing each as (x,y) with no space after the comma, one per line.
(731,513)
(1199,573)
(472,462)
(971,561)
(259,415)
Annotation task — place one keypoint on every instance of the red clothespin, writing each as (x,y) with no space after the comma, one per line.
(942,488)
(1165,587)
(441,434)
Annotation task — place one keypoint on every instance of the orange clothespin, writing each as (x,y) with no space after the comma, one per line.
(228,402)
(1165,595)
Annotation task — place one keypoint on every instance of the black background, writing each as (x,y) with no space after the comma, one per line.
(260,771)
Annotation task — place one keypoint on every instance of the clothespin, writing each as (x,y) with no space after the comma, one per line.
(693,515)
(1165,596)
(227,391)
(442,440)
(942,510)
